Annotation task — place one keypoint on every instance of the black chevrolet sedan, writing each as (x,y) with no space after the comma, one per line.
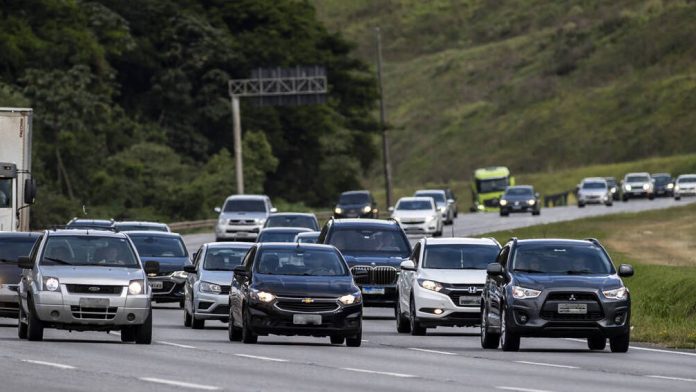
(520,198)
(295,289)
(555,288)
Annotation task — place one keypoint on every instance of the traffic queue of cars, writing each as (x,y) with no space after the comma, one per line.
(642,185)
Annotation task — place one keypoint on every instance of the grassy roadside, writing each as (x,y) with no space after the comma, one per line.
(664,286)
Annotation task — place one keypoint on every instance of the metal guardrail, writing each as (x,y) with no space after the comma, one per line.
(558,199)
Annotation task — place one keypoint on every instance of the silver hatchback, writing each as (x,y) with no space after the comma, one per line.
(85,280)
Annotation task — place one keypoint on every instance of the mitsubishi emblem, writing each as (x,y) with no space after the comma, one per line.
(572,297)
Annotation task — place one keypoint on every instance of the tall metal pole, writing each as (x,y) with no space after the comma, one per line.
(385,137)
(237,144)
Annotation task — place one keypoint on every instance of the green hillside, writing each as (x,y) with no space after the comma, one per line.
(538,85)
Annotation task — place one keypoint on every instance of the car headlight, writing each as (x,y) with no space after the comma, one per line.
(646,187)
(627,187)
(396,218)
(620,293)
(135,287)
(212,288)
(503,202)
(430,285)
(613,190)
(179,274)
(366,209)
(350,299)
(51,284)
(338,210)
(531,202)
(524,293)
(670,186)
(222,221)
(262,296)
(676,187)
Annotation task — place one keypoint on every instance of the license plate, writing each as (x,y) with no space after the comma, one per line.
(572,308)
(156,285)
(94,302)
(516,207)
(373,290)
(469,300)
(306,319)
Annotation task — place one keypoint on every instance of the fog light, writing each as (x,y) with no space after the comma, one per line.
(55,314)
(130,317)
(438,311)
(619,319)
(522,317)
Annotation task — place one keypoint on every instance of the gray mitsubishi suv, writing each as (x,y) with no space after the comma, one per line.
(85,280)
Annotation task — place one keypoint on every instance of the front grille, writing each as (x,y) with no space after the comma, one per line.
(93,289)
(80,312)
(594,308)
(590,316)
(242,222)
(377,275)
(9,305)
(312,307)
(222,309)
(224,290)
(413,221)
(566,297)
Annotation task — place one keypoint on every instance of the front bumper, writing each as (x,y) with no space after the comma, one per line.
(685,192)
(588,199)
(9,301)
(419,228)
(208,306)
(270,319)
(426,301)
(636,193)
(237,233)
(522,207)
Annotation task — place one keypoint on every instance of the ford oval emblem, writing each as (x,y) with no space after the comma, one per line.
(94,289)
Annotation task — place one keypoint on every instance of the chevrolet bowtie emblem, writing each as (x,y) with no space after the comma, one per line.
(307,300)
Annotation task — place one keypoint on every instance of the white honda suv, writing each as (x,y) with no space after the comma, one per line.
(441,283)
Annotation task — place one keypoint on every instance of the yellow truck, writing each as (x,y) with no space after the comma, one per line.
(488,185)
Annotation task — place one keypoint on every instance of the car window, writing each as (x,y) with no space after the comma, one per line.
(11,248)
(685,180)
(372,240)
(519,191)
(140,228)
(224,259)
(88,251)
(414,205)
(302,262)
(276,236)
(158,246)
(637,179)
(354,198)
(292,221)
(439,197)
(459,256)
(593,185)
(245,205)
(415,255)
(561,259)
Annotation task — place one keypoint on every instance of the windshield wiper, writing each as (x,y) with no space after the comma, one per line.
(531,271)
(579,272)
(59,261)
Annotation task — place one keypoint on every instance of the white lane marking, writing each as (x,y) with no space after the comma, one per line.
(180,384)
(382,373)
(674,378)
(431,351)
(51,364)
(655,350)
(365,340)
(547,364)
(174,344)
(261,358)
(521,389)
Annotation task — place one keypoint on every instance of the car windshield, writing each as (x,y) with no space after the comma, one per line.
(302,262)
(611,182)
(160,228)
(292,221)
(459,256)
(437,196)
(89,250)
(413,205)
(661,180)
(245,205)
(158,246)
(492,185)
(514,191)
(353,198)
(687,180)
(11,248)
(637,179)
(277,236)
(224,259)
(373,240)
(5,192)
(561,259)
(594,185)
(312,238)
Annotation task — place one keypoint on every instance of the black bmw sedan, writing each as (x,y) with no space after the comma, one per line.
(295,289)
(555,288)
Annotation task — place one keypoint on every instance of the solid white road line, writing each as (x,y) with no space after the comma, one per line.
(521,389)
(174,344)
(655,350)
(381,373)
(547,364)
(261,358)
(51,364)
(431,351)
(180,384)
(673,378)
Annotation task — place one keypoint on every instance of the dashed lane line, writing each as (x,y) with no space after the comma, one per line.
(425,350)
(180,384)
(391,374)
(51,364)
(261,358)
(547,364)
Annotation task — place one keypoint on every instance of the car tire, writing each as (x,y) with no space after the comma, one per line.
(402,323)
(181,303)
(233,332)
(651,196)
(128,334)
(355,340)
(504,213)
(624,198)
(248,336)
(620,343)
(416,328)
(187,318)
(596,343)
(677,198)
(536,213)
(197,323)
(35,327)
(488,340)
(508,340)
(609,204)
(143,333)
(581,205)
(337,339)
(21,326)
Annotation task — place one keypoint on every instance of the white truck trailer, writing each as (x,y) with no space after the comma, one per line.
(17,187)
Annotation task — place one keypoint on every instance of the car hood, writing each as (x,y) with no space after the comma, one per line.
(414,214)
(352,206)
(168,264)
(243,215)
(599,192)
(305,286)
(375,261)
(9,273)
(638,183)
(544,281)
(454,276)
(217,277)
(117,276)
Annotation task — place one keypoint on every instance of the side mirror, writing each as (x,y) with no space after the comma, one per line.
(408,265)
(273,210)
(25,262)
(217,209)
(494,269)
(191,269)
(240,272)
(152,267)
(29,191)
(391,209)
(625,270)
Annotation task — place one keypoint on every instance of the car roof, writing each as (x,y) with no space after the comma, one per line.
(293,245)
(355,192)
(429,191)
(687,176)
(229,244)
(554,241)
(153,233)
(139,223)
(373,223)
(459,241)
(307,214)
(21,234)
(83,232)
(308,233)
(106,222)
(594,179)
(661,175)
(247,197)
(285,230)
(415,198)
(520,187)
(638,174)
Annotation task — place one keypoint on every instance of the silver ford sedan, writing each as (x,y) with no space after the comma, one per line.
(85,280)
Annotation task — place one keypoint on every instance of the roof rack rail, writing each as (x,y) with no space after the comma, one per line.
(492,239)
(592,240)
(513,240)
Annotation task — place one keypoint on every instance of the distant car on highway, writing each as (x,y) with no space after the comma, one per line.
(281,234)
(310,237)
(445,207)
(637,185)
(452,199)
(376,247)
(556,288)
(293,219)
(520,198)
(613,188)
(90,224)
(418,215)
(207,287)
(356,204)
(12,246)
(663,184)
(441,283)
(141,226)
(85,280)
(685,185)
(242,217)
(169,251)
(594,190)
(295,289)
